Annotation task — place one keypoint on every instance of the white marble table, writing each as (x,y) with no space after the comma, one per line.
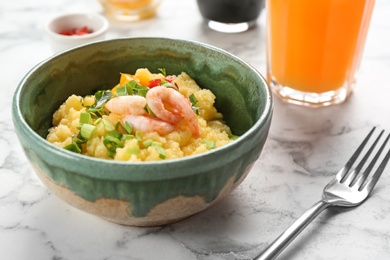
(304,149)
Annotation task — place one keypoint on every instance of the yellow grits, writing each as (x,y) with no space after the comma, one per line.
(142,146)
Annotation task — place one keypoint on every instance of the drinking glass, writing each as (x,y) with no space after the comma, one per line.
(230,16)
(130,10)
(314,48)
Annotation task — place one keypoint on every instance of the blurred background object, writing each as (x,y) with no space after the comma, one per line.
(230,16)
(130,10)
(69,30)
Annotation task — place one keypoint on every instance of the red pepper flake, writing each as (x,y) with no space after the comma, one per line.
(76,31)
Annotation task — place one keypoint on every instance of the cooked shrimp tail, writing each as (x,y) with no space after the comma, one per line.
(171,106)
(149,124)
(127,105)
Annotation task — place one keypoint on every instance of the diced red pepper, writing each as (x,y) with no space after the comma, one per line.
(157,82)
(154,83)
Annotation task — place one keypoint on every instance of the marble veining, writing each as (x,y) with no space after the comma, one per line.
(304,150)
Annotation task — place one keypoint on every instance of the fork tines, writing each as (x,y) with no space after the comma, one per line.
(355,176)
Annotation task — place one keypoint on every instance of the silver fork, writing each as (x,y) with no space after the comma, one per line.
(350,187)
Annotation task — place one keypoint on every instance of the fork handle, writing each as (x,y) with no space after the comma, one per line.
(277,246)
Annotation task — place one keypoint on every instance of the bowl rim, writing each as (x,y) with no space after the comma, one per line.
(102,29)
(151,166)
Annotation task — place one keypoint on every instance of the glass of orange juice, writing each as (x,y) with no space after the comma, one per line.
(314,48)
(130,10)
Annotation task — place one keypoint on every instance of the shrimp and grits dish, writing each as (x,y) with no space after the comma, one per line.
(145,117)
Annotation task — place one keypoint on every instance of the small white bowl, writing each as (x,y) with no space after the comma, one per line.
(58,42)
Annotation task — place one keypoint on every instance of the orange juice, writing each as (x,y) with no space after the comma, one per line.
(130,4)
(315,45)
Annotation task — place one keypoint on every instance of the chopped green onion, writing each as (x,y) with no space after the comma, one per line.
(85,117)
(168,84)
(149,111)
(121,91)
(127,137)
(79,139)
(97,121)
(95,112)
(128,127)
(133,150)
(119,127)
(157,143)
(195,109)
(112,141)
(130,86)
(102,96)
(138,136)
(193,99)
(108,125)
(147,143)
(161,151)
(209,144)
(87,130)
(73,147)
(111,153)
(231,135)
(142,91)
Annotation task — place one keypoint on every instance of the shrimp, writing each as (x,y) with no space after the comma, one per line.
(160,98)
(127,105)
(149,124)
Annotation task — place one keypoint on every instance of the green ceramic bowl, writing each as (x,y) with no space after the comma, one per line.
(147,193)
